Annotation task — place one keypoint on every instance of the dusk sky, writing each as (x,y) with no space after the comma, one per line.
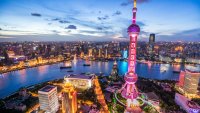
(98,20)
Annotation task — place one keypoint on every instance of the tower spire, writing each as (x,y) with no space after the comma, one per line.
(134,12)
(134,3)
(129,90)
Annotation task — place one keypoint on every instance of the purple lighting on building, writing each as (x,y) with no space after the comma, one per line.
(129,90)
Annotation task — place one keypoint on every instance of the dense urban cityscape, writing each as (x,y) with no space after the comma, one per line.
(117,76)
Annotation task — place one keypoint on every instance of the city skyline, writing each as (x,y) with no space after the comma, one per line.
(94,20)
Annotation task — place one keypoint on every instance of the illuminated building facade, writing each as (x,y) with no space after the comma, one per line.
(181,78)
(81,82)
(10,53)
(82,55)
(106,53)
(114,72)
(90,53)
(48,99)
(100,53)
(69,99)
(186,104)
(193,60)
(189,83)
(125,54)
(129,90)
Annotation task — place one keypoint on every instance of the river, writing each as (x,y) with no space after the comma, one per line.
(12,81)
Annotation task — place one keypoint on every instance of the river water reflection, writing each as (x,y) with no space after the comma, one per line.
(11,82)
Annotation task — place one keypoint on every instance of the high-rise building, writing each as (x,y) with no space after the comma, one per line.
(106,53)
(151,44)
(90,53)
(114,73)
(181,78)
(189,82)
(69,99)
(100,53)
(48,99)
(129,90)
(152,39)
(124,54)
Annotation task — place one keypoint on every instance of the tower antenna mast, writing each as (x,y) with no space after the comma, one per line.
(134,11)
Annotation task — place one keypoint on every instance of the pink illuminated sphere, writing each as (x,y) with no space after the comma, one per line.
(133,28)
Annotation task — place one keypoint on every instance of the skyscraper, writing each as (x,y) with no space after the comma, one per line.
(129,90)
(151,44)
(181,78)
(48,99)
(69,99)
(124,54)
(189,82)
(90,52)
(100,53)
(114,73)
(152,39)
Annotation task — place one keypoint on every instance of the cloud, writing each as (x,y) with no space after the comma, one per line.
(55,19)
(141,24)
(4,37)
(103,18)
(117,13)
(71,27)
(36,14)
(63,21)
(99,28)
(103,28)
(55,31)
(186,35)
(92,25)
(92,33)
(0,29)
(128,2)
(51,37)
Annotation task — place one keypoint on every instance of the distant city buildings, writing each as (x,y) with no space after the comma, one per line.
(193,60)
(13,53)
(48,99)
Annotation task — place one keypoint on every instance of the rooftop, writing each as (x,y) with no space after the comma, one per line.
(193,69)
(187,102)
(80,76)
(47,88)
(152,96)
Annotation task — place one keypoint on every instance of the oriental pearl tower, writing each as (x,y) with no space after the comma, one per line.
(129,90)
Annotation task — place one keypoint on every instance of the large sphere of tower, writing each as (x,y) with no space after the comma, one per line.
(134,28)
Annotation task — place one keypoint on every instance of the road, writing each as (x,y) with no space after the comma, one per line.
(33,108)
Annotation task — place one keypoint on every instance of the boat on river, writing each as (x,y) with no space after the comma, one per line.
(66,65)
